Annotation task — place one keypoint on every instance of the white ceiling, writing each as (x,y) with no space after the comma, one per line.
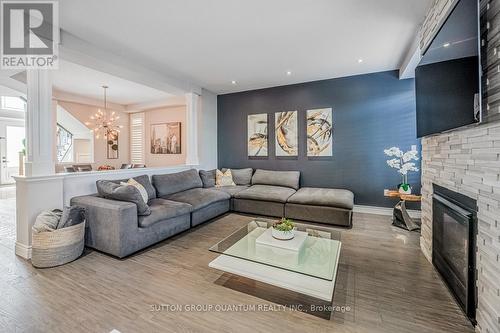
(87,82)
(212,42)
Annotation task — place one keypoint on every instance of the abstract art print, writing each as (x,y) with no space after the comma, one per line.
(166,138)
(286,128)
(257,134)
(319,132)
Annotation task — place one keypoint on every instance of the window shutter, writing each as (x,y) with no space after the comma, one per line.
(137,144)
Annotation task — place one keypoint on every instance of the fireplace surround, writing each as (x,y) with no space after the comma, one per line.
(454,226)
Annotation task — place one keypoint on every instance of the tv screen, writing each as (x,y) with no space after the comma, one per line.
(448,78)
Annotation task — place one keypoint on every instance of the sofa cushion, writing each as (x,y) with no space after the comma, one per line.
(199,197)
(208,178)
(113,191)
(276,178)
(176,182)
(162,209)
(241,176)
(323,197)
(266,193)
(144,181)
(231,190)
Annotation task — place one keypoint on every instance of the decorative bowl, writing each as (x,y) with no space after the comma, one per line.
(283,235)
(284,229)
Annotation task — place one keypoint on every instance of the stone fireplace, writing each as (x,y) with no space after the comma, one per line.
(467,161)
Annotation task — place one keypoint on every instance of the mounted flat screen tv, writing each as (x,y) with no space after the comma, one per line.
(448,77)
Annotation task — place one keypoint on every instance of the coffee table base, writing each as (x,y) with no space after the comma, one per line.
(300,283)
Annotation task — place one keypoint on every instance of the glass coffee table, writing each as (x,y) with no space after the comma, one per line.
(308,264)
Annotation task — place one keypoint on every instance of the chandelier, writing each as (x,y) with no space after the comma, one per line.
(104,124)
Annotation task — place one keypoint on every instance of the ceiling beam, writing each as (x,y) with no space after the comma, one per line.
(164,103)
(7,81)
(81,52)
(63,96)
(411,61)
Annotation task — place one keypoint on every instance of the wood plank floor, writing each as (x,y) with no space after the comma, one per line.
(384,280)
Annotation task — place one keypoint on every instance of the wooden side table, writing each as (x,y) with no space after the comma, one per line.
(400,217)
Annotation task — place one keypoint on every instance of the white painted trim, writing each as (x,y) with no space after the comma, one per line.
(407,69)
(104,173)
(192,115)
(63,96)
(23,251)
(416,214)
(174,101)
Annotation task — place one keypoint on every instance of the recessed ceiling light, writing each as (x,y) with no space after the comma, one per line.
(360,60)
(233,82)
(446,44)
(288,73)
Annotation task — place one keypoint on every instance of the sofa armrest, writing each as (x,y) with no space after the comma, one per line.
(110,223)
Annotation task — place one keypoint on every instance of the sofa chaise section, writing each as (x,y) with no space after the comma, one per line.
(115,228)
(268,194)
(324,205)
(187,187)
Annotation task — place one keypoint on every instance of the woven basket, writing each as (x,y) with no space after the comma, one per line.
(58,247)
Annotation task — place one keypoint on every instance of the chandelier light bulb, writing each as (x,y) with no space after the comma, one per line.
(104,121)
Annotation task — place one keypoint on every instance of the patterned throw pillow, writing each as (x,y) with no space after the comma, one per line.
(139,187)
(224,178)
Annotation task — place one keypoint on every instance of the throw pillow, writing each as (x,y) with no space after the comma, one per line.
(224,178)
(139,187)
(208,178)
(71,215)
(113,191)
(144,181)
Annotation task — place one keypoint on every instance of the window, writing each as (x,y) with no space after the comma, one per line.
(13,103)
(137,138)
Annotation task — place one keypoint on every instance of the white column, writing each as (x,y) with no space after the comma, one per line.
(32,193)
(40,124)
(192,115)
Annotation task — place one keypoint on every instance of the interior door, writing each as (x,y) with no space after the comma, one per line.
(11,143)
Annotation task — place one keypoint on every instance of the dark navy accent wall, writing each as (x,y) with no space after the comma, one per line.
(370,113)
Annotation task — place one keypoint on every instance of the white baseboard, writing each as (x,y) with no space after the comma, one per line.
(416,214)
(23,251)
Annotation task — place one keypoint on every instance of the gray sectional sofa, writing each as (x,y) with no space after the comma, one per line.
(186,199)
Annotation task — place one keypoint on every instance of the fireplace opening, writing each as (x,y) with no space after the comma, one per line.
(454,229)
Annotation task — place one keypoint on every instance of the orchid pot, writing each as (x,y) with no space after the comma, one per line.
(402,162)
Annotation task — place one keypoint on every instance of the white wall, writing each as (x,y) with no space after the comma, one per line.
(159,116)
(207,127)
(82,112)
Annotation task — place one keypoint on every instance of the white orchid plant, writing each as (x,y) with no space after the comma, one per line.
(402,161)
